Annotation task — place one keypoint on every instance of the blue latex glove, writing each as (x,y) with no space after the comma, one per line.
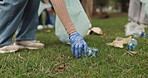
(77,44)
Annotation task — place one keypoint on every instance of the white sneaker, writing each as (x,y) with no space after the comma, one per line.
(50,26)
(40,27)
(32,44)
(9,48)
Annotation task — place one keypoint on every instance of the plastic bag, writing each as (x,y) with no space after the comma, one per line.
(133,28)
(146,6)
(78,17)
(43,6)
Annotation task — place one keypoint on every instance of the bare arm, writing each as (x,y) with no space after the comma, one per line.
(62,13)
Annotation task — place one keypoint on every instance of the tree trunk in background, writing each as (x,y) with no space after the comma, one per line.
(88,6)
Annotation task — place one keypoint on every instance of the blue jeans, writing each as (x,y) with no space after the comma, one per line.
(20,17)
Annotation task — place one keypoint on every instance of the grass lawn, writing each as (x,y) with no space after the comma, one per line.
(55,60)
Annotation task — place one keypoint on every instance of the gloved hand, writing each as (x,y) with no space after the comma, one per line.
(77,44)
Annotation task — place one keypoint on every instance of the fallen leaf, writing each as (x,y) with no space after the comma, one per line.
(61,67)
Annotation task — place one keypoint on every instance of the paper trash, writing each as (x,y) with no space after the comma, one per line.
(96,30)
(119,42)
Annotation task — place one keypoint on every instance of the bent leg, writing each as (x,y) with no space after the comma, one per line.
(27,30)
(10,17)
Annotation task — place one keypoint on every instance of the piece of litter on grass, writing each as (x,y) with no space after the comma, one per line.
(96,30)
(119,42)
(20,56)
(48,31)
(131,52)
(104,34)
(133,28)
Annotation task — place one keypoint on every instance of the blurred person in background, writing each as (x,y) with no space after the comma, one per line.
(137,12)
(136,17)
(49,19)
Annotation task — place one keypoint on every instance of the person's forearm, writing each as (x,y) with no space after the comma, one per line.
(62,13)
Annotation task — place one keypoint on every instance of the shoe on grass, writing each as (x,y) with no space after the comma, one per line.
(9,48)
(31,44)
(40,27)
(50,26)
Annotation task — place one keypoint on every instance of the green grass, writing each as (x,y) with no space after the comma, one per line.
(55,60)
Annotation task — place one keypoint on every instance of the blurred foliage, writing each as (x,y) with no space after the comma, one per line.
(101,3)
(123,4)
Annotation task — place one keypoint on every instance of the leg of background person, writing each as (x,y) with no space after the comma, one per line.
(27,31)
(47,18)
(40,20)
(143,17)
(63,15)
(134,10)
(10,17)
(48,25)
(40,24)
(52,19)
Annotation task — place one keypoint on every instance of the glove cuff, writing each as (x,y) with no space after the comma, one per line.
(73,34)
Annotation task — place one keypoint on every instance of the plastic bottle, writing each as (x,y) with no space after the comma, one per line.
(132,44)
(143,34)
(92,52)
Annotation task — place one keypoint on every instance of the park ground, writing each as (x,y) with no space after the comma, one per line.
(56,60)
